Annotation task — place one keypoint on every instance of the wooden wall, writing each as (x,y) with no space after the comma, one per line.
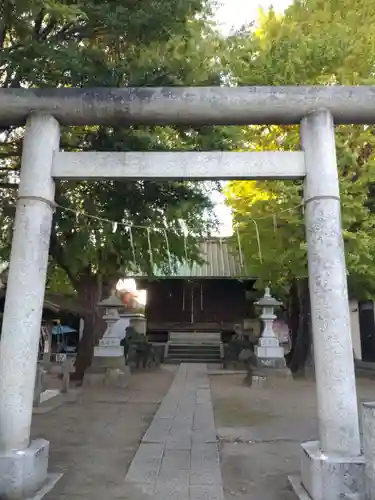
(196,301)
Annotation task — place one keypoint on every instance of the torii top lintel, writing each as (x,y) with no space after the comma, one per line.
(189,105)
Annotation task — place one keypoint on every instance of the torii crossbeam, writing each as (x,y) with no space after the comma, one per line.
(328,466)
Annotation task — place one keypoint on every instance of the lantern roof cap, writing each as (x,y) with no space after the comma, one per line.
(267,300)
(111,301)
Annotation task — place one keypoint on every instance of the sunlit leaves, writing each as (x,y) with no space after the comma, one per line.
(154,42)
(315,42)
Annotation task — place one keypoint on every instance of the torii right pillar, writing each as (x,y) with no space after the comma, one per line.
(332,467)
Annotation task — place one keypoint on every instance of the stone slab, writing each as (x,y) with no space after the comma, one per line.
(24,472)
(262,374)
(158,431)
(134,491)
(109,351)
(52,479)
(259,380)
(206,477)
(271,363)
(268,342)
(171,475)
(108,376)
(297,487)
(55,402)
(157,165)
(330,478)
(183,443)
(206,492)
(171,493)
(272,352)
(224,371)
(368,425)
(178,457)
(257,105)
(101,363)
(301,493)
(48,394)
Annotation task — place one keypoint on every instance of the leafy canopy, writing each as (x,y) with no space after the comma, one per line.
(314,42)
(169,42)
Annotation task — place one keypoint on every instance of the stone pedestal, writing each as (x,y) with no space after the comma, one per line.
(23,473)
(110,377)
(109,345)
(139,323)
(110,353)
(368,424)
(108,366)
(269,353)
(39,386)
(330,477)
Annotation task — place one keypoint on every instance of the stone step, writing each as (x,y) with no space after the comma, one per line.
(201,353)
(194,347)
(194,342)
(179,456)
(364,369)
(174,361)
(193,355)
(195,337)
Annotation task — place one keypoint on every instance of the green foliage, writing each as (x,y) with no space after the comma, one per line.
(58,281)
(85,43)
(169,42)
(315,42)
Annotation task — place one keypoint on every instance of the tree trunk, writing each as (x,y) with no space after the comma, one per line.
(91,290)
(293,318)
(300,325)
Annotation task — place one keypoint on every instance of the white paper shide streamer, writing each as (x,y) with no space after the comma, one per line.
(130,228)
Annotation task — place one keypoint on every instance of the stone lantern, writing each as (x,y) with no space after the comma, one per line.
(112,305)
(268,351)
(110,353)
(109,345)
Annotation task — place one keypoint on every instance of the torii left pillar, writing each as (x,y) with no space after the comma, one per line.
(23,464)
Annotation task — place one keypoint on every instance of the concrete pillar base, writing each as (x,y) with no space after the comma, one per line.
(24,472)
(101,363)
(110,376)
(271,362)
(328,478)
(368,425)
(300,492)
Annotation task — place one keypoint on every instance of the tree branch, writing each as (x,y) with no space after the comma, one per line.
(38,23)
(10,155)
(3,31)
(8,185)
(78,32)
(48,29)
(58,254)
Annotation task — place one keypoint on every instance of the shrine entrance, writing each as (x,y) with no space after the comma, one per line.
(326,464)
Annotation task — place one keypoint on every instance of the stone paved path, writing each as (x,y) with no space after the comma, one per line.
(178,458)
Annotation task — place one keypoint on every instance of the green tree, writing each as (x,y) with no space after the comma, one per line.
(48,44)
(314,42)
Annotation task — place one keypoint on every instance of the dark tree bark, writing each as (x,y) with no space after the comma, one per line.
(91,290)
(293,316)
(300,326)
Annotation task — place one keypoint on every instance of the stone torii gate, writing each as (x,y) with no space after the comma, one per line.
(333,465)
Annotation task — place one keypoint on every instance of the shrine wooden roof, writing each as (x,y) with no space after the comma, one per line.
(219,260)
